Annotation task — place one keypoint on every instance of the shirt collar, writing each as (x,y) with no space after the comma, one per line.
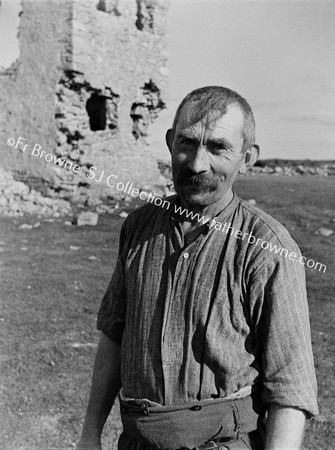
(220,216)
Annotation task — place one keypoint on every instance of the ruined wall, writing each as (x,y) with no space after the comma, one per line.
(27,88)
(89,82)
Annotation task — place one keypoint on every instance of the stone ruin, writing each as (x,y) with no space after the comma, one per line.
(89,81)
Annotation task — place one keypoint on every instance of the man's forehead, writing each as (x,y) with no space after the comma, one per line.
(189,119)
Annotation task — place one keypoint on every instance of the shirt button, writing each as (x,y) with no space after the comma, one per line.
(186,255)
(195,408)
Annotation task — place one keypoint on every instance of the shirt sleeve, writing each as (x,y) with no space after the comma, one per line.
(281,320)
(112,311)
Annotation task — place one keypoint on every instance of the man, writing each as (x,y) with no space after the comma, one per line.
(205,330)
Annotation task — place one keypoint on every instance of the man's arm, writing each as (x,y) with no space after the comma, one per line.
(106,384)
(284,428)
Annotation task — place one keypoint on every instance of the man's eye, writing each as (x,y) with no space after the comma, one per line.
(187,142)
(217,148)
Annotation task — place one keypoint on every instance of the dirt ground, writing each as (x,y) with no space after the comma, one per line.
(50,294)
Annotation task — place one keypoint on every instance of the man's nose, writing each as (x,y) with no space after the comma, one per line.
(198,161)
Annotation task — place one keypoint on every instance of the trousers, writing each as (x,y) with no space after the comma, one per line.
(203,425)
(251,441)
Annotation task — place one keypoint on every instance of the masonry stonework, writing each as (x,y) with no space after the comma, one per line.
(89,81)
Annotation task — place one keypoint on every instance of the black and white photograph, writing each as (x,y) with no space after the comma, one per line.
(167,224)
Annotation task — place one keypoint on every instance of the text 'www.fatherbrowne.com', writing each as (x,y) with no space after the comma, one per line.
(250,238)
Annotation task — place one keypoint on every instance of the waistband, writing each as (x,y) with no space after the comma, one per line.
(192,425)
(243,392)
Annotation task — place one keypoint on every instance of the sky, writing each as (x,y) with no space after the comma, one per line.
(9,22)
(279,55)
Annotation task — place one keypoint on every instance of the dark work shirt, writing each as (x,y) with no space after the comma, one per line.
(205,318)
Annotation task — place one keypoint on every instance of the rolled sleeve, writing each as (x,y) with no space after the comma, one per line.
(281,320)
(112,311)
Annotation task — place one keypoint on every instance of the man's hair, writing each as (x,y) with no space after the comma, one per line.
(213,101)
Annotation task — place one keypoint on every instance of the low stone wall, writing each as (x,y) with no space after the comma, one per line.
(323,170)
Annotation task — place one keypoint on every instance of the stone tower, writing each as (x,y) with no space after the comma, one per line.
(89,81)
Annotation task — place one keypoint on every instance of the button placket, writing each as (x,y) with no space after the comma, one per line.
(171,332)
(170,352)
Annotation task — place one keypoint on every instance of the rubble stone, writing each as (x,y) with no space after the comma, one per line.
(324,231)
(87,218)
(16,199)
(25,226)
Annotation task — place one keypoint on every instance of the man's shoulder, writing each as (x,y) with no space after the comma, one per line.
(268,243)
(263,225)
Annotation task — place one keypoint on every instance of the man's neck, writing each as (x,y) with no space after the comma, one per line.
(207,212)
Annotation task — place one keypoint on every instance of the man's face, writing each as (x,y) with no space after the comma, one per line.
(206,156)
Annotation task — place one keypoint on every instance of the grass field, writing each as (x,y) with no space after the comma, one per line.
(50,294)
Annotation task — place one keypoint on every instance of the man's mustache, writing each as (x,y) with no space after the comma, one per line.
(201,181)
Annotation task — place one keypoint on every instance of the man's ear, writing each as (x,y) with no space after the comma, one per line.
(169,138)
(249,158)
